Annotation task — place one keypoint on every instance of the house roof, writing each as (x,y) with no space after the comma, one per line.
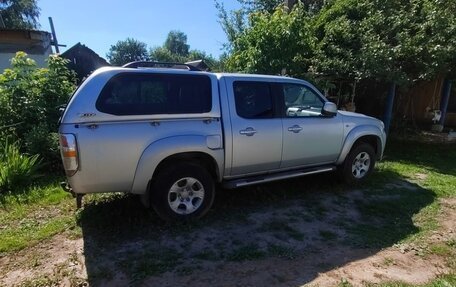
(22,30)
(29,41)
(82,47)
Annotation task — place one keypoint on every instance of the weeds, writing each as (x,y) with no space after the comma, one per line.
(17,170)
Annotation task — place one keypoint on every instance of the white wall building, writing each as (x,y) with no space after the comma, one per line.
(37,44)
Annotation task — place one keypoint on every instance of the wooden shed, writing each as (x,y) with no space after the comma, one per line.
(422,101)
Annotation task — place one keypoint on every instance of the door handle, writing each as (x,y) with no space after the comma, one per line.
(248,132)
(295,129)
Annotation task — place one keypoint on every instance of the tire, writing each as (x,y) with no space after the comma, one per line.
(358,164)
(183,191)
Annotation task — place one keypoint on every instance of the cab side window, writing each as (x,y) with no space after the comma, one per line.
(253,100)
(301,101)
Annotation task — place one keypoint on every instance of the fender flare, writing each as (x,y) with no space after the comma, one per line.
(357,133)
(159,150)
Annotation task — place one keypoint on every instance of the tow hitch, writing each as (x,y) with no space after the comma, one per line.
(67,188)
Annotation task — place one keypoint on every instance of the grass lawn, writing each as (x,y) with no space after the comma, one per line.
(39,213)
(398,206)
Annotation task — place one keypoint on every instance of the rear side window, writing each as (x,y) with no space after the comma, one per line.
(253,100)
(148,94)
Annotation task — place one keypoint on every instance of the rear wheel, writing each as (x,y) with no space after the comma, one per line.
(183,191)
(359,163)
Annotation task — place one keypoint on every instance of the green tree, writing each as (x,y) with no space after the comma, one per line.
(235,22)
(389,41)
(275,43)
(392,41)
(232,22)
(127,51)
(162,54)
(175,49)
(19,14)
(259,5)
(269,6)
(176,43)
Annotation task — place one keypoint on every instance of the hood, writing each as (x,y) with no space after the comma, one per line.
(352,114)
(357,119)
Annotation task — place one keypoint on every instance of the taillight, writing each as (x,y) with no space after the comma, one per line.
(69,152)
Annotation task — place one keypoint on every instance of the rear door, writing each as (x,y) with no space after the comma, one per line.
(256,126)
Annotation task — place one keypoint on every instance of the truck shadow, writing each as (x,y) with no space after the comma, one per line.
(282,233)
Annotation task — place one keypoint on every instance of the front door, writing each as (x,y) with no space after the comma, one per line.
(309,138)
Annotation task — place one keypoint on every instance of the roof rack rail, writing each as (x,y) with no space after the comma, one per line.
(148,64)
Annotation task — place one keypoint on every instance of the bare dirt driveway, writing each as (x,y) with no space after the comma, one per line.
(321,239)
(400,226)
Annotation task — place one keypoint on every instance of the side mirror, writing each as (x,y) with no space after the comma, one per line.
(329,109)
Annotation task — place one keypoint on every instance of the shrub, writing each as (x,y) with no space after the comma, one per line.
(17,170)
(29,100)
(39,140)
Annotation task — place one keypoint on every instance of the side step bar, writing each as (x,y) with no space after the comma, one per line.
(235,183)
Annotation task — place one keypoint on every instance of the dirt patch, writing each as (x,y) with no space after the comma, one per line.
(387,265)
(449,214)
(279,272)
(421,176)
(303,241)
(57,259)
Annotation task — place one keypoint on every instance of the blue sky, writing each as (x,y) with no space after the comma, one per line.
(101,23)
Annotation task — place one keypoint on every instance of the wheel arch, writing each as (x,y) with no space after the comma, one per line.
(201,158)
(159,154)
(363,134)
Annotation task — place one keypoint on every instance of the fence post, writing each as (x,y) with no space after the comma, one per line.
(446,91)
(389,107)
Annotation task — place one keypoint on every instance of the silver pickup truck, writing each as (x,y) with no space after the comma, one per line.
(171,134)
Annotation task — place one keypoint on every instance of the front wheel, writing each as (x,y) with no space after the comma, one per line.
(183,191)
(359,163)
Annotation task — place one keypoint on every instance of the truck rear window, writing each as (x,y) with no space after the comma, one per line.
(147,94)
